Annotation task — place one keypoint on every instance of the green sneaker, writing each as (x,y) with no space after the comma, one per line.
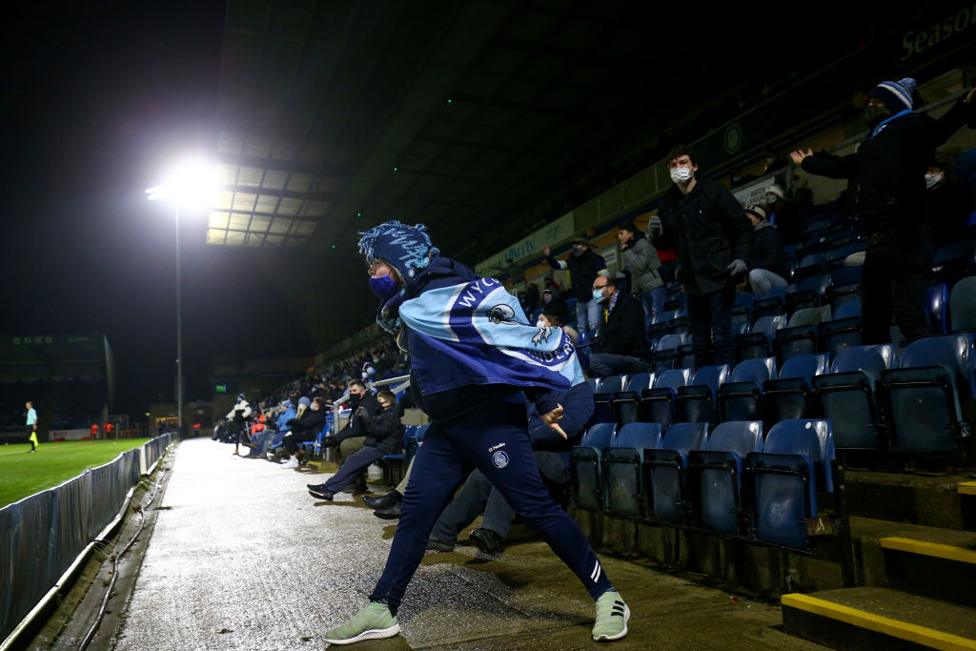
(373,622)
(612,615)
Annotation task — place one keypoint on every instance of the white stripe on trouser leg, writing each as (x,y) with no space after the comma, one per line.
(595,574)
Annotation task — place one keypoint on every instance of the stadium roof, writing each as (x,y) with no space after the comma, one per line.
(481,119)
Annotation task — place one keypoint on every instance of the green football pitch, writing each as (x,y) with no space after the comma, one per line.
(23,474)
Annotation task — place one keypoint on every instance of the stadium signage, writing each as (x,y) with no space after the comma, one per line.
(549,235)
(915,42)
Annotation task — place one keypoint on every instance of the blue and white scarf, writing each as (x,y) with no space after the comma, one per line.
(476,333)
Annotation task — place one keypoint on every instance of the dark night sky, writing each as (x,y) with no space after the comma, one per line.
(96,99)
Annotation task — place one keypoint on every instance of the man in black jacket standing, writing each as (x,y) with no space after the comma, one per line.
(621,346)
(887,183)
(383,435)
(584,266)
(708,228)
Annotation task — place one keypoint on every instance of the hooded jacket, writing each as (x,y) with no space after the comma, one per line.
(641,260)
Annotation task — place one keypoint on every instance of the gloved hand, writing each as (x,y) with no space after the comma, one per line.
(654,226)
(736,268)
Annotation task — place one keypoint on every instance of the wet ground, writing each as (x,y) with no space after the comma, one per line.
(243,558)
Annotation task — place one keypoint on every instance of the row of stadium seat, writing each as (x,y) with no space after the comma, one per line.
(731,480)
(876,398)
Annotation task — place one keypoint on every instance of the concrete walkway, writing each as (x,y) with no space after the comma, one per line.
(243,558)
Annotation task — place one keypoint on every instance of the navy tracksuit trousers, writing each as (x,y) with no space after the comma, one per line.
(493,439)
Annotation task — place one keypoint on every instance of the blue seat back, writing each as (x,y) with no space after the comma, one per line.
(711,377)
(672,379)
(962,305)
(756,371)
(953,352)
(638,382)
(768,325)
(738,436)
(637,435)
(664,317)
(870,360)
(809,438)
(671,342)
(803,367)
(848,309)
(683,437)
(811,260)
(598,436)
(816,283)
(611,384)
(936,308)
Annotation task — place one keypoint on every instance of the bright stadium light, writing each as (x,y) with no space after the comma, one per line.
(190,185)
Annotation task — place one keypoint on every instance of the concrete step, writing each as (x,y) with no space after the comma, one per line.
(934,569)
(867,618)
(929,500)
(967,499)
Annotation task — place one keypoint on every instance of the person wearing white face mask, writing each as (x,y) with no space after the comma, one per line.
(584,265)
(708,228)
(949,204)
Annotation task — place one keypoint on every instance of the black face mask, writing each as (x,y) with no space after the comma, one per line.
(875,115)
(354,401)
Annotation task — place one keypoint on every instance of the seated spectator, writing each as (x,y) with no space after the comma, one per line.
(620,346)
(640,259)
(351,439)
(304,430)
(551,442)
(584,266)
(949,203)
(383,435)
(768,262)
(555,317)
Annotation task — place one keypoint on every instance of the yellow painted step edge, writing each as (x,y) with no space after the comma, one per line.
(923,548)
(967,488)
(895,628)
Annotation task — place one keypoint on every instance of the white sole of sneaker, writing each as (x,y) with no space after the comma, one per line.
(621,634)
(374,634)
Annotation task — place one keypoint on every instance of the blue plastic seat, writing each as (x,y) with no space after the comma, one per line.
(586,463)
(625,403)
(696,402)
(802,333)
(606,389)
(718,471)
(666,351)
(808,292)
(794,465)
(759,341)
(790,395)
(665,467)
(922,396)
(624,481)
(657,403)
(772,303)
(937,308)
(962,305)
(738,396)
(847,395)
(954,261)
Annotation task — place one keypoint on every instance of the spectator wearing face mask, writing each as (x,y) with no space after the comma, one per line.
(352,437)
(584,266)
(620,346)
(303,430)
(708,228)
(640,259)
(768,263)
(886,180)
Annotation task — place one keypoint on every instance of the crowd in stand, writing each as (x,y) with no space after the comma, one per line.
(702,241)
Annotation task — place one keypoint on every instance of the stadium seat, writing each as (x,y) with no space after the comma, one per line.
(962,305)
(790,396)
(811,264)
(922,396)
(808,292)
(837,255)
(937,308)
(586,463)
(695,403)
(845,284)
(657,403)
(606,389)
(848,398)
(739,395)
(794,465)
(801,335)
(759,341)
(666,351)
(665,467)
(625,457)
(772,303)
(625,403)
(717,470)
(954,261)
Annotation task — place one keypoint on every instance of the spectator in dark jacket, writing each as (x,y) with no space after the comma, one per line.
(383,436)
(584,266)
(551,444)
(621,347)
(303,430)
(708,228)
(768,264)
(949,203)
(886,179)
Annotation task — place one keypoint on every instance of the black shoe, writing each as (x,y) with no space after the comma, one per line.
(382,501)
(320,494)
(389,513)
(435,545)
(316,487)
(487,541)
